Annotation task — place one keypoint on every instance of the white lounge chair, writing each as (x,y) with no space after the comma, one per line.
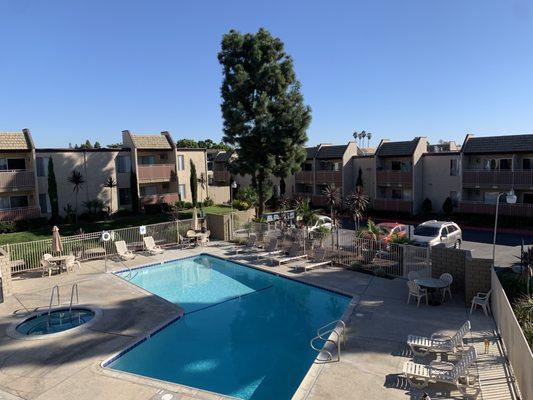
(151,247)
(318,260)
(482,300)
(420,375)
(123,252)
(437,343)
(293,254)
(417,292)
(270,250)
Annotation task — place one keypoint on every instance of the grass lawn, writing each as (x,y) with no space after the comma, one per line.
(116,223)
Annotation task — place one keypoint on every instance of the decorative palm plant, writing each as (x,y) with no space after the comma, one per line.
(357,203)
(110,183)
(77,180)
(333,200)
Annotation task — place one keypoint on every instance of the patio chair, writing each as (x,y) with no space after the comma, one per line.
(417,292)
(482,300)
(71,263)
(185,241)
(437,343)
(270,249)
(420,376)
(249,245)
(49,267)
(318,260)
(151,247)
(204,238)
(448,278)
(123,252)
(413,275)
(294,253)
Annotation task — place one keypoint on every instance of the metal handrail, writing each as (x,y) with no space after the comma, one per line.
(328,330)
(54,289)
(75,286)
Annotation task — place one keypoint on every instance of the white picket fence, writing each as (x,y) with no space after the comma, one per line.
(27,256)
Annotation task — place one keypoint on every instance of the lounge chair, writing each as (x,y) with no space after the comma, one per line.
(420,375)
(151,247)
(270,250)
(249,245)
(294,253)
(482,300)
(49,267)
(123,252)
(318,260)
(437,343)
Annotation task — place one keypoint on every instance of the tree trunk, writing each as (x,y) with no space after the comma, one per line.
(76,211)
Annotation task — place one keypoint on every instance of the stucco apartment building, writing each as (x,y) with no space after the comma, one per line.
(161,172)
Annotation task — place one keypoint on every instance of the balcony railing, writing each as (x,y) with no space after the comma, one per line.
(518,178)
(319,200)
(396,205)
(156,172)
(18,213)
(170,198)
(394,178)
(304,177)
(329,177)
(221,176)
(17,179)
(521,210)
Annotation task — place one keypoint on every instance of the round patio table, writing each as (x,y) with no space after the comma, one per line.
(433,285)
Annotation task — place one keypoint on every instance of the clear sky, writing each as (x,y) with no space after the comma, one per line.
(71,70)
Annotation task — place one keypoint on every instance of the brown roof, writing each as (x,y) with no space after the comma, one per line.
(329,152)
(151,142)
(397,149)
(14,141)
(499,144)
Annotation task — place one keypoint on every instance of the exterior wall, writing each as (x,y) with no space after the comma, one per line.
(348,177)
(437,180)
(367,166)
(418,174)
(219,194)
(199,159)
(477,277)
(95,166)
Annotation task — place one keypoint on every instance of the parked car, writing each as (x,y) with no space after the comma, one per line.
(432,233)
(392,229)
(322,222)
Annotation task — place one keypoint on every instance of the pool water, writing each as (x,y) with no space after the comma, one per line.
(59,321)
(244,333)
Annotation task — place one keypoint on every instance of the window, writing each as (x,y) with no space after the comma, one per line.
(163,156)
(490,197)
(506,163)
(44,203)
(42,166)
(123,164)
(527,163)
(181,163)
(165,186)
(12,163)
(400,165)
(307,167)
(4,203)
(210,181)
(147,160)
(148,190)
(18,201)
(528,198)
(454,169)
(498,163)
(397,194)
(124,196)
(444,231)
(181,191)
(3,164)
(455,198)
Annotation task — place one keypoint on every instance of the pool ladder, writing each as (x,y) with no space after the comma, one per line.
(55,290)
(332,333)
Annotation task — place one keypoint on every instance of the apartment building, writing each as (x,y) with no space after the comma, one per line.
(18,183)
(491,165)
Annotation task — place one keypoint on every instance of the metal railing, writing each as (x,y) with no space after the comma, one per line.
(156,172)
(18,213)
(512,210)
(169,198)
(332,334)
(518,178)
(88,246)
(394,178)
(396,205)
(17,179)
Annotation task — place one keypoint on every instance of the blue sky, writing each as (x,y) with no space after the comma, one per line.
(71,70)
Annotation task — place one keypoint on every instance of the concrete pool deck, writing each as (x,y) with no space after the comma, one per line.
(371,361)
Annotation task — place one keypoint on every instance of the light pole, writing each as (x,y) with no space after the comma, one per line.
(231,188)
(510,198)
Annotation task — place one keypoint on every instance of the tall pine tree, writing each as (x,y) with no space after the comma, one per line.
(52,192)
(194,184)
(263,110)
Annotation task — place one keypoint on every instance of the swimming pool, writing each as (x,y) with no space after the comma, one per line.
(244,333)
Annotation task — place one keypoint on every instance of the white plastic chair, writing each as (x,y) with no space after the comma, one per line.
(448,278)
(483,300)
(417,292)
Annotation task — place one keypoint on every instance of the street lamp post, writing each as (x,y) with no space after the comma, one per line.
(510,198)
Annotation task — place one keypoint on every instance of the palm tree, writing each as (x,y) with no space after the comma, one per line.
(77,180)
(363,136)
(368,137)
(333,200)
(373,230)
(357,202)
(110,183)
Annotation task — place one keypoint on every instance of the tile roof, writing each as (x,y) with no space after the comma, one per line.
(151,142)
(14,141)
(396,149)
(336,151)
(499,144)
(311,151)
(223,156)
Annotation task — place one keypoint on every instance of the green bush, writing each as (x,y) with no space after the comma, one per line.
(241,205)
(447,206)
(187,205)
(31,224)
(380,272)
(157,208)
(426,206)
(356,266)
(208,202)
(247,195)
(7,226)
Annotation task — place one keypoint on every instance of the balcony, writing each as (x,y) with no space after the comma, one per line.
(517,179)
(19,213)
(170,198)
(22,179)
(519,210)
(304,177)
(328,177)
(319,200)
(396,205)
(221,177)
(156,172)
(394,178)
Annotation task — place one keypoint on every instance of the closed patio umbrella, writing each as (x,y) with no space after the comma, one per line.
(57,246)
(194,219)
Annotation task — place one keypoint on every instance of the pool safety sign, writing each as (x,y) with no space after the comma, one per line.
(142,229)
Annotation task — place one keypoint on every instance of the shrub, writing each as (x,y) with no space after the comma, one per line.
(247,195)
(208,202)
(158,208)
(380,272)
(356,266)
(94,206)
(187,205)
(123,212)
(447,206)
(426,206)
(7,226)
(241,205)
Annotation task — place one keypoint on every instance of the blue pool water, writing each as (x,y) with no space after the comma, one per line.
(244,333)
